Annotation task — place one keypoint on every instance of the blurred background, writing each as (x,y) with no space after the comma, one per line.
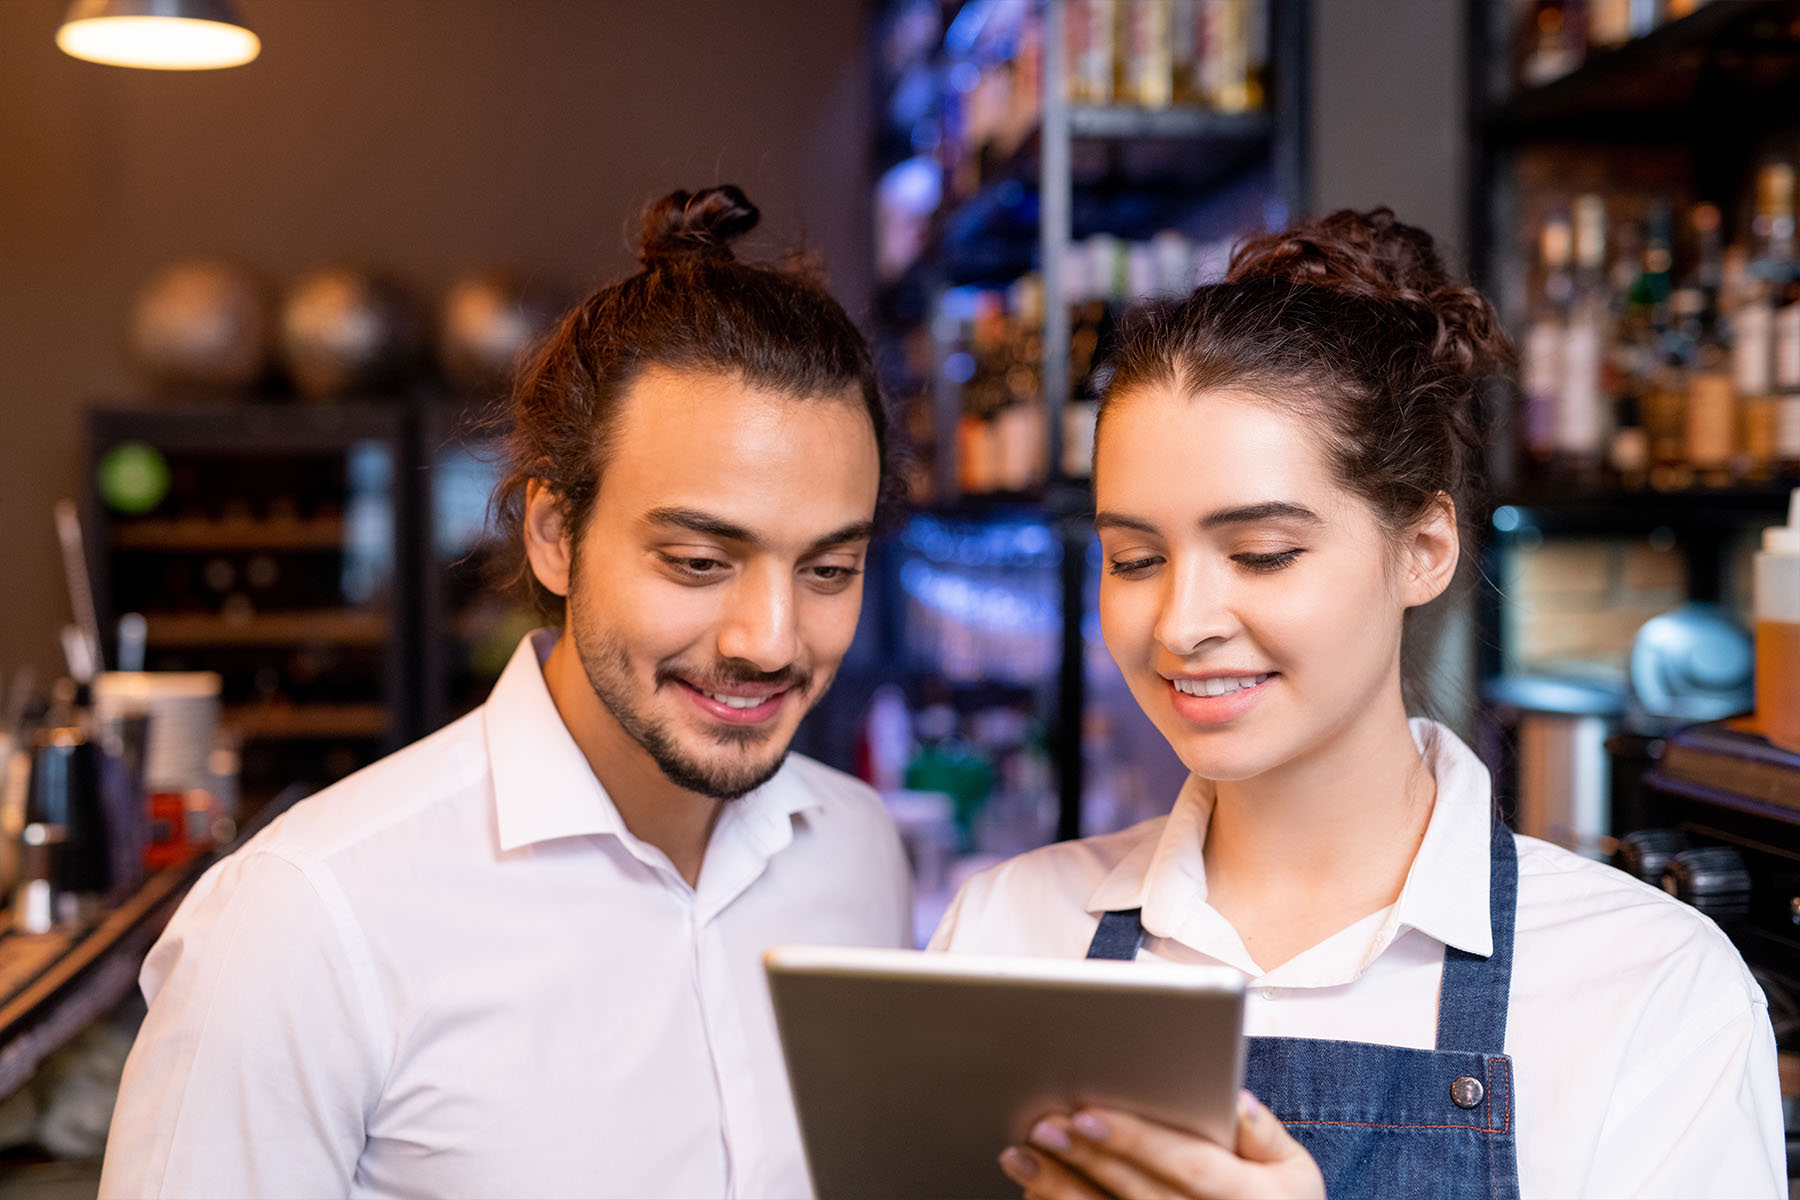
(251,319)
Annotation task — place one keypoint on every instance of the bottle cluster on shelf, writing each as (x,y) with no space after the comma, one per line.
(967,96)
(1661,352)
(1157,53)
(983,346)
(1556,36)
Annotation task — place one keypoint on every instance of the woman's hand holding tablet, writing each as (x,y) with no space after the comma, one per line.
(1098,1153)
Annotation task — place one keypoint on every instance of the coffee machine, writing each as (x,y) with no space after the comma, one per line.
(1711,814)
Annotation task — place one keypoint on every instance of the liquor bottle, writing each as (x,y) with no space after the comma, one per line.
(1542,368)
(919,418)
(1143,71)
(1230,59)
(1021,430)
(1091,27)
(1753,317)
(1785,325)
(1581,403)
(978,448)
(1551,41)
(1663,399)
(1786,330)
(1608,23)
(1187,47)
(1711,439)
(1630,359)
(1090,339)
(1653,284)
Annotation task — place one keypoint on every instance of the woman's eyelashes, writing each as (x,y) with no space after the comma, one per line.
(1126,568)
(1272,561)
(1261,562)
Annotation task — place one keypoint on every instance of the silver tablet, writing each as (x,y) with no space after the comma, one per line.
(912,1071)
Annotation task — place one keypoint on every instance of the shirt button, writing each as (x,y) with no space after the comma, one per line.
(1467,1092)
(1270,993)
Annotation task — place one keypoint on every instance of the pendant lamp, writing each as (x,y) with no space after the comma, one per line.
(168,35)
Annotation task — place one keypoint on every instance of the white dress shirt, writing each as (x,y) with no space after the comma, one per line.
(1643,1057)
(456,973)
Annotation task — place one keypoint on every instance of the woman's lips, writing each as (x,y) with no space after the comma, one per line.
(1216,710)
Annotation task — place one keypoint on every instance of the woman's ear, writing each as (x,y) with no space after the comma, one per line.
(546,537)
(1430,554)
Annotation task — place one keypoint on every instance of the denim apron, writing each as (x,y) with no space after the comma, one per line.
(1391,1121)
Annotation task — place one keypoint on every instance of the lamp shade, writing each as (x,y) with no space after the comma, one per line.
(169,35)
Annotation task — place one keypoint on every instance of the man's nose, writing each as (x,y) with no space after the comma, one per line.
(759,622)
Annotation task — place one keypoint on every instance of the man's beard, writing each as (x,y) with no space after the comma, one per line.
(608,670)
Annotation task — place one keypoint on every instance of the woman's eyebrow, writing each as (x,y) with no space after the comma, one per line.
(1245,514)
(1113,520)
(1268,510)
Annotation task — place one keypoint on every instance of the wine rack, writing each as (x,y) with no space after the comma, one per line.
(271,547)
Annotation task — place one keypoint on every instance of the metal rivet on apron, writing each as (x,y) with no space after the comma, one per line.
(1467,1091)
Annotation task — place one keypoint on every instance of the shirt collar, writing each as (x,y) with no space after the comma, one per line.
(544,788)
(1446,891)
(1445,895)
(1169,858)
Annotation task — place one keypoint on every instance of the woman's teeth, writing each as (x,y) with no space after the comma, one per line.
(1216,687)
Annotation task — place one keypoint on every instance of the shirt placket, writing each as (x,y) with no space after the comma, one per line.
(735,860)
(733,1070)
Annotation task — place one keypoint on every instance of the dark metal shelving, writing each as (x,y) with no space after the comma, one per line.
(1131,172)
(1710,85)
(1554,509)
(1088,169)
(1668,83)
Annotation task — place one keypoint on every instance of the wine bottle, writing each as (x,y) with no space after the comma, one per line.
(1711,434)
(1542,368)
(1581,407)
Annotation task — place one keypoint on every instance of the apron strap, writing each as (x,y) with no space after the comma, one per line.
(1119,935)
(1473,997)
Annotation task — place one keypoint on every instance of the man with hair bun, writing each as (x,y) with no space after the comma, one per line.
(522,957)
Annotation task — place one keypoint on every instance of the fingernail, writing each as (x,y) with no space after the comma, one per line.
(1091,1126)
(1249,1108)
(1020,1164)
(1049,1135)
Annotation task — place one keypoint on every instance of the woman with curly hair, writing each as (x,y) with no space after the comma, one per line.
(1437,1007)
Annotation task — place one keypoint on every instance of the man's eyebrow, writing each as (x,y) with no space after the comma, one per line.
(856,531)
(1247,514)
(701,522)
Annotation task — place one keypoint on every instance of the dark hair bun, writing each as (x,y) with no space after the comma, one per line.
(699,224)
(1374,255)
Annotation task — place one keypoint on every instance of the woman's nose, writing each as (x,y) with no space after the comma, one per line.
(1195,610)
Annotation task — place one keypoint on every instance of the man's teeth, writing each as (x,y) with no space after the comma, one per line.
(1216,687)
(736,701)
